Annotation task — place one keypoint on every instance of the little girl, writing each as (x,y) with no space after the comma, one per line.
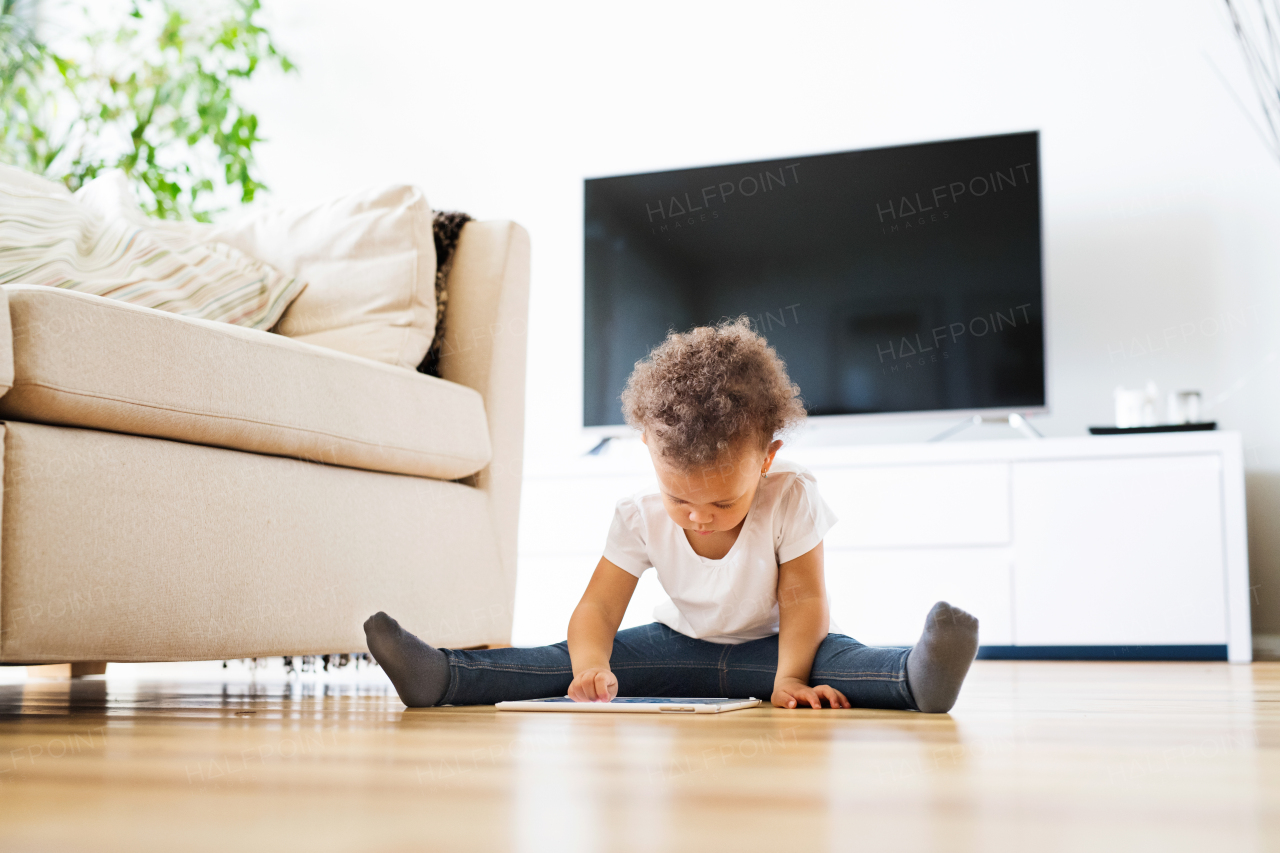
(736,540)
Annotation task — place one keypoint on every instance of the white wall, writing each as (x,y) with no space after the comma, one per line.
(1159,197)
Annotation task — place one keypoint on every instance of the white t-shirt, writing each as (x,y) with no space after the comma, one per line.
(733,599)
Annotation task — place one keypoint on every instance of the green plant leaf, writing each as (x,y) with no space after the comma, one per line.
(171,101)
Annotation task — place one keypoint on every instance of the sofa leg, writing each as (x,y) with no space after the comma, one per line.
(88,668)
(67,670)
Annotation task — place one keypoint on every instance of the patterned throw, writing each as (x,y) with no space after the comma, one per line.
(93,242)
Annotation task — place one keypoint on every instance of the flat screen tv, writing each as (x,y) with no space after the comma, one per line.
(892,280)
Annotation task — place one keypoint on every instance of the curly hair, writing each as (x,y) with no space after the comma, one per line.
(699,392)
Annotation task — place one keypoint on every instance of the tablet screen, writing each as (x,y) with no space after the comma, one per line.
(648,700)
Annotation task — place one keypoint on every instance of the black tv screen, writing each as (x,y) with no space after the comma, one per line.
(902,279)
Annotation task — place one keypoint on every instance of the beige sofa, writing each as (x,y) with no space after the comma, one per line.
(178,489)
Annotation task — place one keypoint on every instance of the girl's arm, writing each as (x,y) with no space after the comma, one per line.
(592,627)
(803,622)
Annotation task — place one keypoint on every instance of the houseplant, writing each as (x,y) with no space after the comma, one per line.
(146,86)
(1258,32)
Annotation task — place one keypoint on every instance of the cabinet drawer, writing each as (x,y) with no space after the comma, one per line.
(882,597)
(572,514)
(1120,552)
(913,506)
(548,588)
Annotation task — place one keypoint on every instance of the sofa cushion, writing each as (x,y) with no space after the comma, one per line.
(85,361)
(369,261)
(99,241)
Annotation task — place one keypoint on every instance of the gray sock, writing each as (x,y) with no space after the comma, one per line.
(419,672)
(939,661)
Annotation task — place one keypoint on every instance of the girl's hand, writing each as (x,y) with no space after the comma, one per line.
(792,693)
(596,684)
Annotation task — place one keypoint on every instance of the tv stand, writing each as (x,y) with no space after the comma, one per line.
(1015,420)
(600,446)
(1127,547)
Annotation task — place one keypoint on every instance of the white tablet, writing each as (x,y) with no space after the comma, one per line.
(632,705)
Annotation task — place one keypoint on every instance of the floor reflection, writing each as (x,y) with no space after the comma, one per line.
(282,700)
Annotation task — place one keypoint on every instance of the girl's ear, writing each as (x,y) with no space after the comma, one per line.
(769,453)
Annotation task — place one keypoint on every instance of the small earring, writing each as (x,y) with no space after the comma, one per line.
(765,474)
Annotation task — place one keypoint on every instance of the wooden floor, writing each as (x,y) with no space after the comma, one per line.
(1036,757)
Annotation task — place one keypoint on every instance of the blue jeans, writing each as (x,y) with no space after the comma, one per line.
(654,660)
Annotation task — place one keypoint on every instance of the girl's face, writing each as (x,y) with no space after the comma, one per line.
(714,498)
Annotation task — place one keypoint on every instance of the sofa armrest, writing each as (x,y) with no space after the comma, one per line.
(486,331)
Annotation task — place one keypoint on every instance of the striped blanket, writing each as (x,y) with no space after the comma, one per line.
(98,241)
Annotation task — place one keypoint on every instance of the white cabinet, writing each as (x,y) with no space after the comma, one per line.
(881,596)
(1116,546)
(1119,551)
(917,505)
